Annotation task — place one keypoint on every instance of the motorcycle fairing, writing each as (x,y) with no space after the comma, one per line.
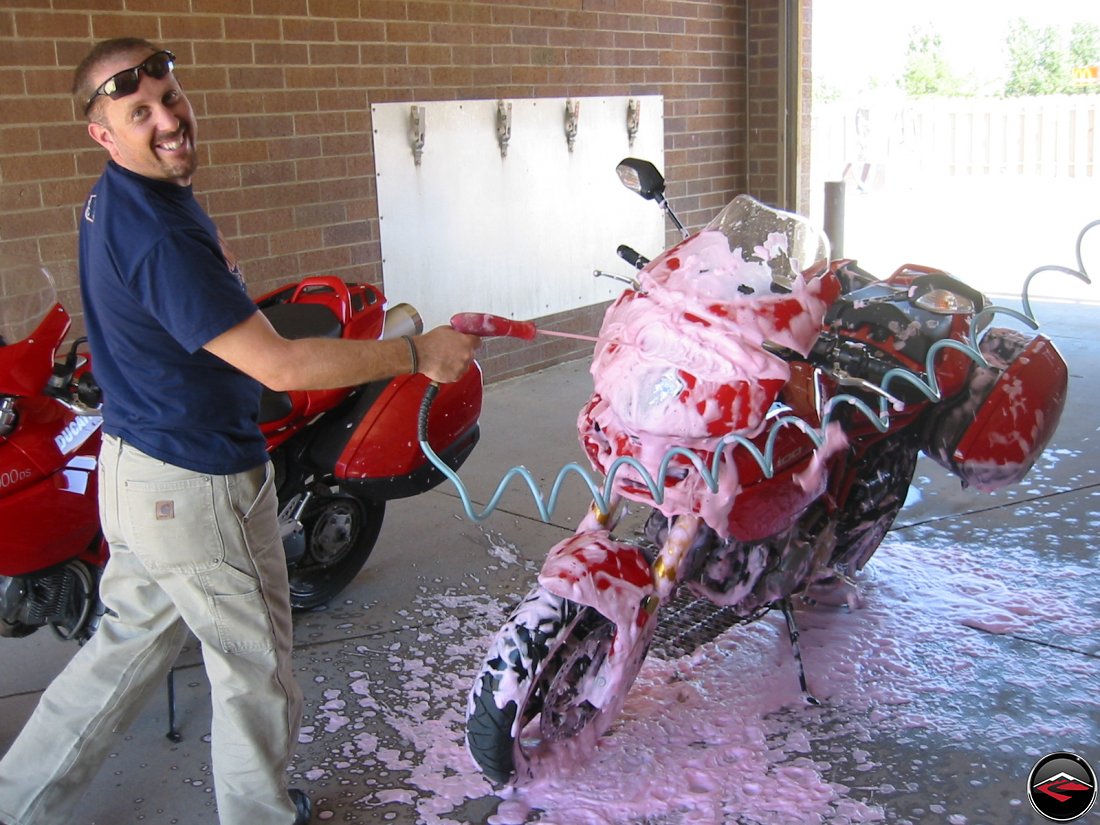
(50,434)
(67,501)
(48,479)
(772,505)
(687,360)
(26,366)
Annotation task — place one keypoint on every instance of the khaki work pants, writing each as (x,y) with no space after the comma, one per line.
(188,551)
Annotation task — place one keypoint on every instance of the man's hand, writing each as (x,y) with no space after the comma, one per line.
(445,354)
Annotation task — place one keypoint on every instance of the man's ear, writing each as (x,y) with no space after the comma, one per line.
(102,135)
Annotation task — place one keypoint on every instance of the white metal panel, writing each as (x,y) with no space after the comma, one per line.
(519,236)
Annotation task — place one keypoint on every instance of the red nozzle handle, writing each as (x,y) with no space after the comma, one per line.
(489,326)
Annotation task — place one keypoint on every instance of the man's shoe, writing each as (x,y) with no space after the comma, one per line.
(302,805)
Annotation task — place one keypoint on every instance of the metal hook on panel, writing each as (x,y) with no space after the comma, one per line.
(633,116)
(504,126)
(572,116)
(418,128)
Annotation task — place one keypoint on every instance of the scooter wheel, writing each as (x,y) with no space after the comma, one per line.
(341,532)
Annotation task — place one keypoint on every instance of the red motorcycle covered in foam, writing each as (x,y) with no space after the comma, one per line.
(768,406)
(339,455)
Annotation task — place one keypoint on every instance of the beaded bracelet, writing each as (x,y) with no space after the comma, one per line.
(412,354)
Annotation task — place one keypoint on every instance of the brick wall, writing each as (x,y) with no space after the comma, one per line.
(806,114)
(282,90)
(762,116)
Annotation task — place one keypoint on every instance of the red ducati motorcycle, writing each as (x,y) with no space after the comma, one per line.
(339,455)
(768,406)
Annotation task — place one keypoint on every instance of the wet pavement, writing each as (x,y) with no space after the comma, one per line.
(976,651)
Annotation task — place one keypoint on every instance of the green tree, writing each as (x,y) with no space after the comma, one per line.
(1084,50)
(1041,61)
(926,72)
(1035,63)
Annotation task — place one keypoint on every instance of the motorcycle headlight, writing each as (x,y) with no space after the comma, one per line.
(944,302)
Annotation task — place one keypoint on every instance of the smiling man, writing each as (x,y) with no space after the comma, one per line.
(150,141)
(186,491)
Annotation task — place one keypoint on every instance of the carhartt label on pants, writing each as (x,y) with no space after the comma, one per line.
(166,510)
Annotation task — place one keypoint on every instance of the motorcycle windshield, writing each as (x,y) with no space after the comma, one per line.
(787,243)
(27,293)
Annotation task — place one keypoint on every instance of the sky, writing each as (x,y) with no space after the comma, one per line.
(854,39)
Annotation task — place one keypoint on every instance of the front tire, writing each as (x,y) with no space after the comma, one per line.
(530,697)
(341,532)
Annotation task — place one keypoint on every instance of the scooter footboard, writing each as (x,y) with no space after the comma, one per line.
(598,571)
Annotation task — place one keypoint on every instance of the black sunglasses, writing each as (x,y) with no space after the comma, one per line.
(127,81)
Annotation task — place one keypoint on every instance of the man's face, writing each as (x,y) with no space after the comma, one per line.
(151,132)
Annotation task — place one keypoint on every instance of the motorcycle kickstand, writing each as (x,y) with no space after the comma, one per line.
(792,631)
(173,732)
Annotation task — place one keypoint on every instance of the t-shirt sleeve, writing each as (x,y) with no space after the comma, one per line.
(185,284)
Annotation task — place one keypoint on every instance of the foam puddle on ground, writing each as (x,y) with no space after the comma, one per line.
(722,735)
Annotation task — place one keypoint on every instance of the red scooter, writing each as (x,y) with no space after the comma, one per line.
(768,406)
(339,455)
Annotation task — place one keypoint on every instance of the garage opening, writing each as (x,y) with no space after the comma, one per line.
(960,135)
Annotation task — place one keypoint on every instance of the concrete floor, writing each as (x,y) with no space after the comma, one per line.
(976,686)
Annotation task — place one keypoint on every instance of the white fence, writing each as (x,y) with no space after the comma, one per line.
(912,141)
(987,189)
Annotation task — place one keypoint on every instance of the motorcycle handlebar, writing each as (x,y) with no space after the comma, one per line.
(856,360)
(632,256)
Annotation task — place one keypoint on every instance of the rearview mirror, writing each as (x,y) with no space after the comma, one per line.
(642,177)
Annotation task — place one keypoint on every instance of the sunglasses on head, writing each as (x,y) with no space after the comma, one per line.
(126,82)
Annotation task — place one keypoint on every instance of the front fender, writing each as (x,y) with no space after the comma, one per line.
(595,570)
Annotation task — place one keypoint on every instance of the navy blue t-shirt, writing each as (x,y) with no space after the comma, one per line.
(156,289)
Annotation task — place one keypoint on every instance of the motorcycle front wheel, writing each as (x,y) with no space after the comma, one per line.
(530,701)
(341,532)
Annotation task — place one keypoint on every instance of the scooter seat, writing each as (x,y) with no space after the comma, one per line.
(275,406)
(303,320)
(295,321)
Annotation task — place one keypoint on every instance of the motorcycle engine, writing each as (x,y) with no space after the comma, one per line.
(13,607)
(62,598)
